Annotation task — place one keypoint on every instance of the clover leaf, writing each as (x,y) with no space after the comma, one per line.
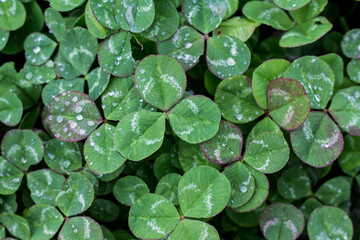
(281,221)
(332,218)
(73,116)
(203,192)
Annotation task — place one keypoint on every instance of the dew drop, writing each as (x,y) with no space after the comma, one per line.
(66,163)
(91,123)
(357,94)
(243,189)
(36,49)
(23,160)
(73,124)
(239,116)
(79,117)
(77,109)
(188,45)
(223,144)
(29,75)
(233,51)
(16,180)
(59,118)
(50,64)
(230,61)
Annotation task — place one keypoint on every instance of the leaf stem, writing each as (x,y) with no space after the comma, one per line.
(142,47)
(344,24)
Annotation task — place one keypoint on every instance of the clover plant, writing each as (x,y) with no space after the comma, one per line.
(169,119)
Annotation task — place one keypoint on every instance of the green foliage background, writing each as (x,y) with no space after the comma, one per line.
(168,119)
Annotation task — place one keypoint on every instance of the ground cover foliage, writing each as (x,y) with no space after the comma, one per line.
(169,119)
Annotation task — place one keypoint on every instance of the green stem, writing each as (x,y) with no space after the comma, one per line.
(344,24)
(353,9)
